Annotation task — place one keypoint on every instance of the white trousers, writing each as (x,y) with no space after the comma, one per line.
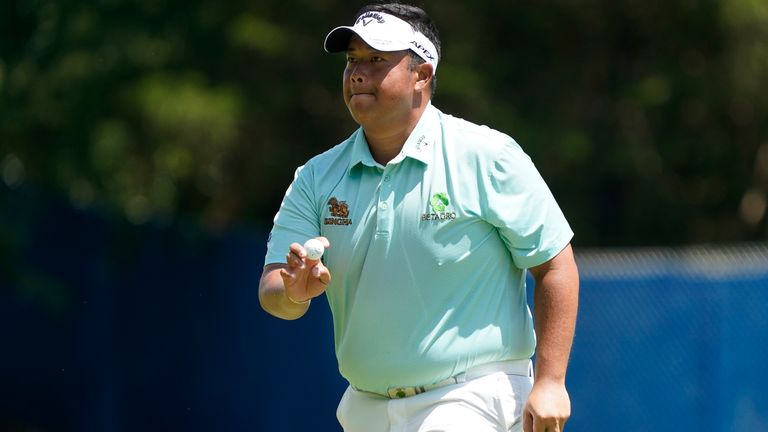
(490,403)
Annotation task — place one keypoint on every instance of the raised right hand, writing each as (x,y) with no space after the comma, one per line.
(304,278)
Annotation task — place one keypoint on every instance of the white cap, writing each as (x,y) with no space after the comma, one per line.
(383,32)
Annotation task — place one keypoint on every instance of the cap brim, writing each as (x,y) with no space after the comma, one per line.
(338,39)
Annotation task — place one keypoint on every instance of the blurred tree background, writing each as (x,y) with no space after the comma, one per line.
(648,119)
(143,143)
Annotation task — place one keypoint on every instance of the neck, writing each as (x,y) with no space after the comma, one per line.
(385,143)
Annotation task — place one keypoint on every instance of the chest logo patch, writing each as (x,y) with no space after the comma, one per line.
(339,213)
(439,204)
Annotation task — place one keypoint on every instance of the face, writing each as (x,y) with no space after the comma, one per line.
(378,86)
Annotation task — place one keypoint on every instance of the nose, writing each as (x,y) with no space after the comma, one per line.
(356,74)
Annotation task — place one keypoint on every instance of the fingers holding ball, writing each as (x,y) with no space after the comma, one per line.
(314,249)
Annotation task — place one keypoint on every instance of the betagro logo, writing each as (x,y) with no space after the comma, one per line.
(439,203)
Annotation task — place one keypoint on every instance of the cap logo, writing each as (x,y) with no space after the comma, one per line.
(367,17)
(389,33)
(423,49)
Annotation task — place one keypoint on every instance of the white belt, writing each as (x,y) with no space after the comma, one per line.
(511,367)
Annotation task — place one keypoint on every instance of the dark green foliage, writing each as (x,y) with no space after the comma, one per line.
(649,120)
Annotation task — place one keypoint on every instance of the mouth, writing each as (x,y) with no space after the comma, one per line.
(359,93)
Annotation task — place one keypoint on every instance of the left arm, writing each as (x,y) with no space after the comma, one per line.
(556,299)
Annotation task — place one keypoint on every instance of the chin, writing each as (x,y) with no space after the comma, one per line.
(360,113)
(358,118)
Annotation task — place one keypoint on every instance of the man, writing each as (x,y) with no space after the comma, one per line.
(431,223)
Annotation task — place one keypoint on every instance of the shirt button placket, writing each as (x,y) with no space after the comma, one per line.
(384,212)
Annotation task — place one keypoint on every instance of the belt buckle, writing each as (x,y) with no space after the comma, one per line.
(401,392)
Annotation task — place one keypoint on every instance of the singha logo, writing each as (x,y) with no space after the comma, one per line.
(340,212)
(338,208)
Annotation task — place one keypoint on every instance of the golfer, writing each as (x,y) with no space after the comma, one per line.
(430,224)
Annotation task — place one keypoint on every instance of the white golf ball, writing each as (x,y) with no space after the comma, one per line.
(314,248)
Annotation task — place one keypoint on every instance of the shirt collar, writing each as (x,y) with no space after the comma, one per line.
(361,154)
(418,145)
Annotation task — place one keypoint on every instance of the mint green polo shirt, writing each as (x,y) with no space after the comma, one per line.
(428,253)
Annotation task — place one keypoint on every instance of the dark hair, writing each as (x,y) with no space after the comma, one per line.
(418,19)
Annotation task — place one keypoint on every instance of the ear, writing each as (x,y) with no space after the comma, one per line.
(424,74)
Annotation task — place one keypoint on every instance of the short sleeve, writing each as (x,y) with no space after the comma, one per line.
(297,220)
(521,206)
